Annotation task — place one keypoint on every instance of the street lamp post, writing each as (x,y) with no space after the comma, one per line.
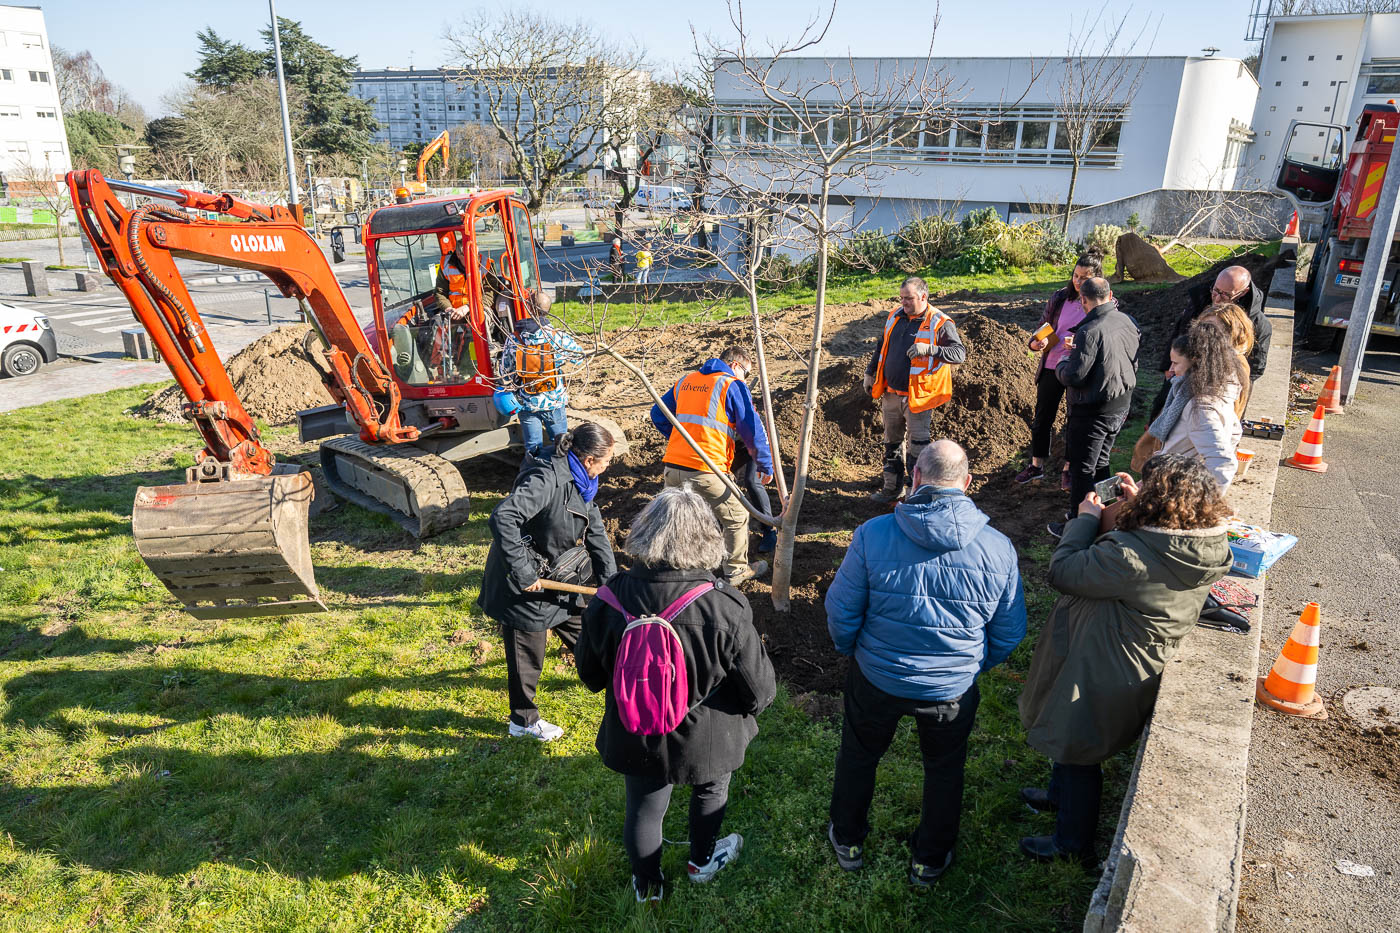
(292,199)
(403,171)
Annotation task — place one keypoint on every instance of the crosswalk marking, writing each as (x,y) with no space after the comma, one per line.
(77,314)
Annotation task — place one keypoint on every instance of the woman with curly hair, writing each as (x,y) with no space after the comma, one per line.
(1128,599)
(1240,329)
(1199,416)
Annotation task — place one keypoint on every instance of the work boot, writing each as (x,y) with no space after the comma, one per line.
(892,489)
(769,541)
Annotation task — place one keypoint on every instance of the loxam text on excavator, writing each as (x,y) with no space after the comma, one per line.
(415,388)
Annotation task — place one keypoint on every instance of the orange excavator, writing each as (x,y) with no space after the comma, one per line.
(440,144)
(415,389)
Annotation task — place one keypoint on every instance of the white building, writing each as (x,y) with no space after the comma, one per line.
(31,117)
(1321,69)
(1185,129)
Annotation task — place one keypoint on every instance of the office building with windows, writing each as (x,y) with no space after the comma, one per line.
(1184,128)
(31,117)
(1320,69)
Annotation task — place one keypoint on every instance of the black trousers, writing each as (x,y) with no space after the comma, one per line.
(1089,435)
(871,717)
(746,473)
(1077,790)
(647,802)
(525,660)
(1049,390)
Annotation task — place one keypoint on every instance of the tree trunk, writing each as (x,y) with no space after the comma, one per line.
(58,234)
(1069,202)
(787,531)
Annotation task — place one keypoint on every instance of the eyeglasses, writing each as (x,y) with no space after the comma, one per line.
(1228,296)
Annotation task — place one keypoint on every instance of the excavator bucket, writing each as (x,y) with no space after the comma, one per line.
(233,548)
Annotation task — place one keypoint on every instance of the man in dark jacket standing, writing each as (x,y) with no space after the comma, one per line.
(926,599)
(1099,376)
(1233,285)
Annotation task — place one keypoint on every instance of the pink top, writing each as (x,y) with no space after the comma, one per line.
(1071,313)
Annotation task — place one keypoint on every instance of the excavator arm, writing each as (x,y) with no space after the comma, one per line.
(440,144)
(233,539)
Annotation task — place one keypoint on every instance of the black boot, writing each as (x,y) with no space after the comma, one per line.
(893,482)
(1043,849)
(1038,799)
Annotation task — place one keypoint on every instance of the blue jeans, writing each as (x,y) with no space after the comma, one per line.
(533,425)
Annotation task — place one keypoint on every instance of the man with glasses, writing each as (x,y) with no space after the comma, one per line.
(1233,286)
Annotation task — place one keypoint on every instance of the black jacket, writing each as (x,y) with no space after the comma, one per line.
(1101,370)
(546,507)
(724,661)
(1251,301)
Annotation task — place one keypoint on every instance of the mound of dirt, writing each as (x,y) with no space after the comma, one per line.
(273,377)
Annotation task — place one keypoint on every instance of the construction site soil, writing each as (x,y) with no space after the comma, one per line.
(989,414)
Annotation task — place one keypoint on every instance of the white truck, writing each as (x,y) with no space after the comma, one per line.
(26,341)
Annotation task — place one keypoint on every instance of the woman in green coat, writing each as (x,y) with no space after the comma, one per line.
(1129,598)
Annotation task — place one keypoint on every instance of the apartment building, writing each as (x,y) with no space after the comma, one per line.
(31,117)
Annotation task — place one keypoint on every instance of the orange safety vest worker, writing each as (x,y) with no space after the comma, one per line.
(536,369)
(700,408)
(930,379)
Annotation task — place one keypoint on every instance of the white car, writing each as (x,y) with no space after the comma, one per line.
(26,341)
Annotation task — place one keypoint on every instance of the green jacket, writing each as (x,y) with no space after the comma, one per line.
(1129,598)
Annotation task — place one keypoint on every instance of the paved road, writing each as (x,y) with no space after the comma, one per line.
(1322,791)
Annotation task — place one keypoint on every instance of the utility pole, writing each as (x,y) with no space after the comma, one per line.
(1368,293)
(292,199)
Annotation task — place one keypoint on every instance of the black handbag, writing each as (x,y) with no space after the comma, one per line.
(573,566)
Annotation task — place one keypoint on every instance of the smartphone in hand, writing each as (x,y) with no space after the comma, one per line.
(1109,490)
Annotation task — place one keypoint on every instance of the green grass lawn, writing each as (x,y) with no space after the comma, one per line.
(350,770)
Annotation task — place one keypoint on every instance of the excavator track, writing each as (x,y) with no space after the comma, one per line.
(421,491)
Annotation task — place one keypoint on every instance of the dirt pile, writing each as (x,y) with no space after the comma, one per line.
(273,377)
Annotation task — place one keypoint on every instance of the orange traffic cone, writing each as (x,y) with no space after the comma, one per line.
(1309,453)
(1331,399)
(1292,229)
(1290,685)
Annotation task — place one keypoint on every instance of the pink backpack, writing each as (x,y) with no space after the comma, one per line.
(650,684)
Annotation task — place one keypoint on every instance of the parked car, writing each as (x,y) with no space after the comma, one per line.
(600,199)
(663,198)
(26,341)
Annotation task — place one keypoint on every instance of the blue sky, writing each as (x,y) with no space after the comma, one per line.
(147,45)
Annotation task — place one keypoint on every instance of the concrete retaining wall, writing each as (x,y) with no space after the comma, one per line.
(1163,212)
(1175,862)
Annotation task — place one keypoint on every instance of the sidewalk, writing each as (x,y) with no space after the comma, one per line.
(1330,790)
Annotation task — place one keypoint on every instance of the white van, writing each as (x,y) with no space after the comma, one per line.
(26,341)
(663,198)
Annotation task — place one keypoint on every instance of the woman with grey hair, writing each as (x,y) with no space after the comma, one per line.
(675,546)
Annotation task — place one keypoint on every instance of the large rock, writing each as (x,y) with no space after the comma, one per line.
(1140,261)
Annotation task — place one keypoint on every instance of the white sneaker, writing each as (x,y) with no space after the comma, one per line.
(544,731)
(726,851)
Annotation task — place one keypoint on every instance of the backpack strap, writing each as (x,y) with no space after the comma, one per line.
(609,597)
(680,605)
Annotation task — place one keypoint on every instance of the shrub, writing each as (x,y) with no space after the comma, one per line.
(777,272)
(1134,221)
(869,251)
(1103,239)
(1056,248)
(983,226)
(928,241)
(976,259)
(1020,251)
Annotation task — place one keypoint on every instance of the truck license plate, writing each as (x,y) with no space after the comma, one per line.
(1354,281)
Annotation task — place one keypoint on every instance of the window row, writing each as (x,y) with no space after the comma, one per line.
(20,151)
(13,112)
(37,77)
(1025,138)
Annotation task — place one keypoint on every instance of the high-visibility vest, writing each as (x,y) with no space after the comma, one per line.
(700,399)
(536,369)
(930,379)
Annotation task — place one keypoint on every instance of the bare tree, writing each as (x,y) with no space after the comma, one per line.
(488,153)
(1098,79)
(234,135)
(820,129)
(40,183)
(647,114)
(552,89)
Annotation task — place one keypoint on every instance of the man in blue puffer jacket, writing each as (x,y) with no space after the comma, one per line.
(926,599)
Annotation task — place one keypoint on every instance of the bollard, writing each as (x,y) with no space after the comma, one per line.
(267,301)
(36,280)
(89,281)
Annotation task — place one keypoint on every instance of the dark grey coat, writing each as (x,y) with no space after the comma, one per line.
(546,507)
(1102,367)
(1130,597)
(725,665)
(1251,301)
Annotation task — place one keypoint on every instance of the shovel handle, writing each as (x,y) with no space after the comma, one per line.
(568,587)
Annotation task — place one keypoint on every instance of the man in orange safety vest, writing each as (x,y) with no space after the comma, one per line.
(911,375)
